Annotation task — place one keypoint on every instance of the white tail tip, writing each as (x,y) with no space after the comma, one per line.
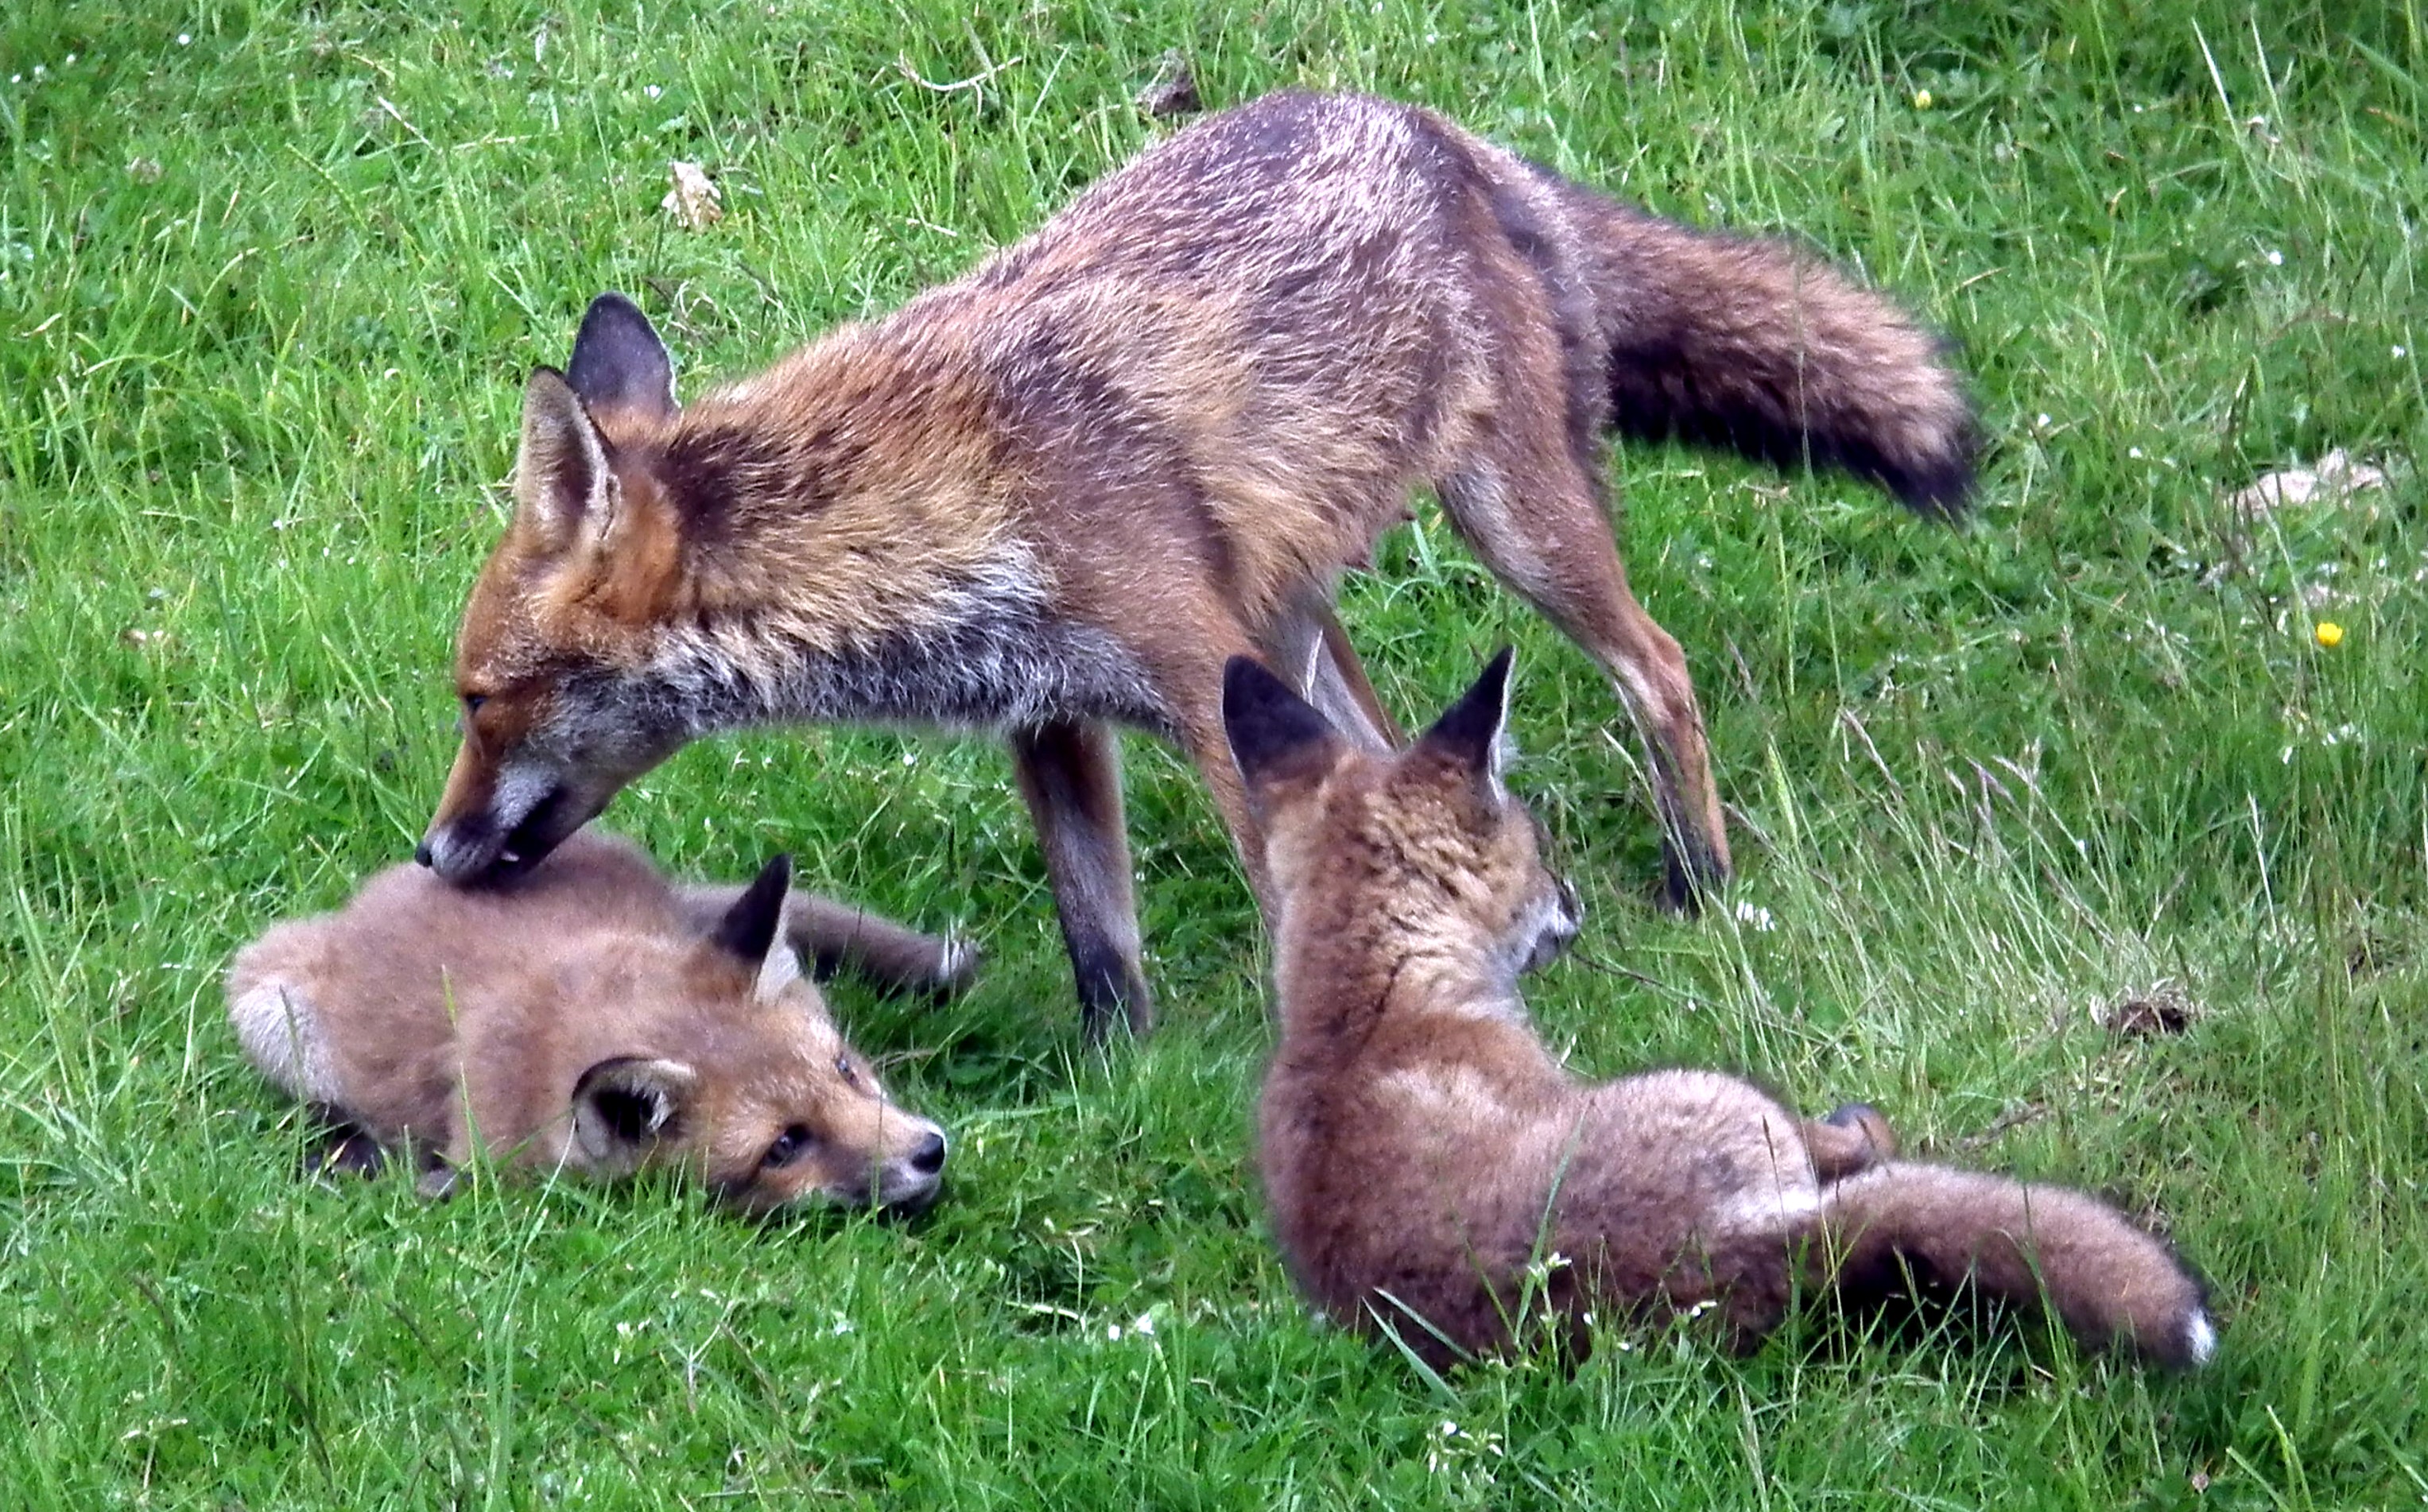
(2201,1336)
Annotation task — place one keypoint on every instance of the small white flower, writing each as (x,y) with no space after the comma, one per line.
(653,91)
(2397,350)
(1142,1323)
(2133,451)
(694,202)
(2276,259)
(1112,1331)
(2041,420)
(185,39)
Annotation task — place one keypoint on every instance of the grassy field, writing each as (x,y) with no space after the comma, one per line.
(270,277)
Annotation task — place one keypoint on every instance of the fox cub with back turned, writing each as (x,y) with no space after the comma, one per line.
(1054,496)
(594,1016)
(1422,1150)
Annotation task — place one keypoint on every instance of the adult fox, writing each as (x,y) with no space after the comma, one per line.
(1055,495)
(1425,1158)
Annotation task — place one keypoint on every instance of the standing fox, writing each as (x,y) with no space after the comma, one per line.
(1422,1150)
(1058,494)
(592,1015)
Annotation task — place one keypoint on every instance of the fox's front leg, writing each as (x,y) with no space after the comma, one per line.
(1070,772)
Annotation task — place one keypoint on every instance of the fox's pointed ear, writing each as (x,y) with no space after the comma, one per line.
(619,363)
(751,926)
(1470,732)
(1275,735)
(563,485)
(753,930)
(626,1105)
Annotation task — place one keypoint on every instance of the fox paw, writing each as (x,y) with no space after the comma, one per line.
(1860,1138)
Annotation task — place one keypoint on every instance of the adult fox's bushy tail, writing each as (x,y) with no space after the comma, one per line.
(1761,347)
(1902,1224)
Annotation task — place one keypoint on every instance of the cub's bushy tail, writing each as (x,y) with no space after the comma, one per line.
(1904,1224)
(1762,347)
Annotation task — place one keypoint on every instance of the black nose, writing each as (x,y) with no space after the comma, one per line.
(422,854)
(929,1158)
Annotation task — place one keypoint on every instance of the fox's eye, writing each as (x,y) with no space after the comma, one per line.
(787,1148)
(472,702)
(842,1069)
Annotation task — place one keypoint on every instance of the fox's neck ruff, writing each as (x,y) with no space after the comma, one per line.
(976,655)
(851,551)
(1344,963)
(981,647)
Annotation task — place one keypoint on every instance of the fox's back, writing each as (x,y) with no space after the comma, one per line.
(1274,190)
(390,978)
(1295,304)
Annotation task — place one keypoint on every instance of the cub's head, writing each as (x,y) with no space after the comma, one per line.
(561,704)
(1429,838)
(739,1075)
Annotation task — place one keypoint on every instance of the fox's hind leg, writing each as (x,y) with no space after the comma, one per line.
(894,956)
(827,934)
(1070,772)
(1534,513)
(1854,1137)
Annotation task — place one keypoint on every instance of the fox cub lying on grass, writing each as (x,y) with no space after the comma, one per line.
(1421,1149)
(595,1016)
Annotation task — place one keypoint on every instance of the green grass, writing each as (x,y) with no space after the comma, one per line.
(270,275)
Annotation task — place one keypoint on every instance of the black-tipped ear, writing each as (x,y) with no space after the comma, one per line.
(626,1104)
(1469,732)
(1273,733)
(619,363)
(561,478)
(749,926)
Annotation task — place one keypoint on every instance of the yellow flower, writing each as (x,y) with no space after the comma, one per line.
(2330,633)
(1922,99)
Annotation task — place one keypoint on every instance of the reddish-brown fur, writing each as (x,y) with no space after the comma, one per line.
(1434,1170)
(593,1017)
(1054,496)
